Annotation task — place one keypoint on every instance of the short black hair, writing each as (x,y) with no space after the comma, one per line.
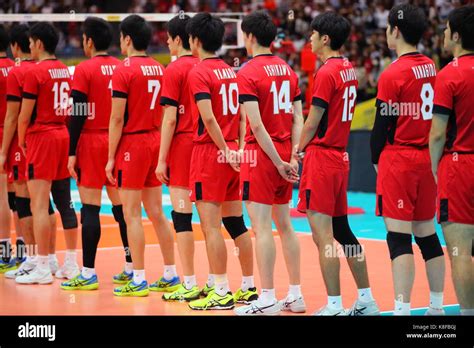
(99,31)
(461,21)
(47,34)
(410,20)
(177,27)
(139,31)
(260,25)
(333,25)
(19,35)
(4,39)
(208,29)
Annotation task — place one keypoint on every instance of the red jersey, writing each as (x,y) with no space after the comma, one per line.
(16,80)
(6,64)
(407,88)
(176,91)
(269,80)
(213,79)
(454,95)
(93,78)
(139,80)
(335,89)
(48,82)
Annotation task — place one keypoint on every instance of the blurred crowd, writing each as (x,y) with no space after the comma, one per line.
(366,47)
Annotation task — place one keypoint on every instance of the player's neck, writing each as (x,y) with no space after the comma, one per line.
(3,54)
(259,50)
(24,56)
(404,48)
(45,55)
(328,53)
(98,53)
(134,53)
(459,51)
(184,52)
(204,55)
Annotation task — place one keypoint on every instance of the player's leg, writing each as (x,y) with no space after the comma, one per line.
(459,241)
(5,226)
(39,191)
(53,225)
(430,247)
(291,251)
(20,247)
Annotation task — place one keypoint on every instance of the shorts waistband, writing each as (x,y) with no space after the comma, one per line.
(334,148)
(406,147)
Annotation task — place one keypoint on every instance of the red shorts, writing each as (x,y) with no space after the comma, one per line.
(47,154)
(179,159)
(455,200)
(260,181)
(136,160)
(211,178)
(92,155)
(324,181)
(16,163)
(406,189)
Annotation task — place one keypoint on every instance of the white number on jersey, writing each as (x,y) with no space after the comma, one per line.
(153,87)
(61,94)
(230,99)
(427,95)
(350,95)
(281,99)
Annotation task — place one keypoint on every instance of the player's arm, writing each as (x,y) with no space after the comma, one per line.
(27,106)
(168,127)
(439,124)
(379,134)
(79,117)
(9,128)
(297,126)
(210,122)
(115,132)
(311,125)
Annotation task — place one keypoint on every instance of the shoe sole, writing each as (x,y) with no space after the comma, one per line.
(295,310)
(212,308)
(82,288)
(135,294)
(43,282)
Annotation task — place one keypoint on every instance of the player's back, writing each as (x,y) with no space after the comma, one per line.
(269,80)
(139,79)
(6,65)
(413,77)
(213,79)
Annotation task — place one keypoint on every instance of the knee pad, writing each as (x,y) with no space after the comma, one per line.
(61,191)
(182,221)
(117,211)
(23,207)
(90,216)
(12,201)
(430,246)
(399,244)
(235,225)
(344,236)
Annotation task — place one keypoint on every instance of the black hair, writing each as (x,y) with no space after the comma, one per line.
(410,20)
(4,39)
(333,25)
(19,34)
(260,25)
(461,21)
(47,34)
(99,31)
(208,29)
(177,27)
(139,31)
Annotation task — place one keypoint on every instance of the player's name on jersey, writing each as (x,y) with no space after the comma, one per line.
(225,73)
(348,75)
(277,70)
(107,70)
(5,70)
(424,71)
(151,70)
(59,73)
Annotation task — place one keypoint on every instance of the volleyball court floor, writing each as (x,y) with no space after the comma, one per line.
(51,300)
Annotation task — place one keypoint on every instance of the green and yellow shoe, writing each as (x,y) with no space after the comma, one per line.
(206,290)
(246,296)
(81,283)
(182,294)
(132,289)
(123,277)
(8,266)
(213,301)
(164,285)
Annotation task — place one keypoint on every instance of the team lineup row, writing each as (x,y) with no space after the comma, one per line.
(190,126)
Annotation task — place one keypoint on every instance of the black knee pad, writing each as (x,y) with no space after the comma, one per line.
(117,211)
(12,201)
(90,215)
(23,207)
(61,191)
(430,246)
(182,221)
(399,244)
(343,234)
(235,225)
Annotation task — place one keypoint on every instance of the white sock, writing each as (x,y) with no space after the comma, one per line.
(138,276)
(267,297)
(128,267)
(436,299)
(335,302)
(87,272)
(295,290)
(169,272)
(43,262)
(401,308)
(467,311)
(247,283)
(33,259)
(210,280)
(70,257)
(52,257)
(222,284)
(189,281)
(365,295)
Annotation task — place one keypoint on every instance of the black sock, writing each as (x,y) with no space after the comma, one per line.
(118,215)
(5,250)
(20,249)
(90,233)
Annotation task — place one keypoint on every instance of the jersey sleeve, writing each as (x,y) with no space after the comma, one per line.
(199,85)
(443,93)
(13,87)
(388,87)
(324,88)
(31,84)
(80,81)
(120,83)
(247,86)
(172,82)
